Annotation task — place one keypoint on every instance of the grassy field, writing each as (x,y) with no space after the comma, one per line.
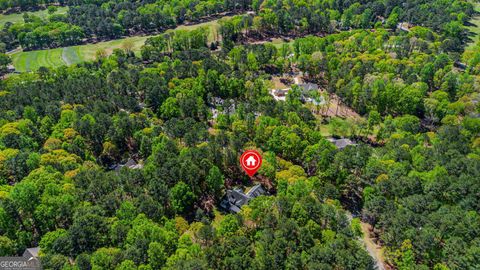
(278,42)
(32,60)
(18,17)
(475,28)
(214,27)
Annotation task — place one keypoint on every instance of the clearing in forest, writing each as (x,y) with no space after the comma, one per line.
(18,17)
(32,60)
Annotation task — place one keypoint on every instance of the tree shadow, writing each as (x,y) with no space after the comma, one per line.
(472,36)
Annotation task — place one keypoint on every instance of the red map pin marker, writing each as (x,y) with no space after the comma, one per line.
(251,161)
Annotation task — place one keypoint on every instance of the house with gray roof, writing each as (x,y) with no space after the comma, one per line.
(31,252)
(307,87)
(236,198)
(131,164)
(255,191)
(341,143)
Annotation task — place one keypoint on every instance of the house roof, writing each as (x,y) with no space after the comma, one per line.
(460,65)
(214,113)
(131,164)
(316,102)
(31,252)
(234,209)
(342,143)
(236,198)
(255,191)
(279,94)
(308,86)
(404,26)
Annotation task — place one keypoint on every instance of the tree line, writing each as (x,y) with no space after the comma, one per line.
(105,20)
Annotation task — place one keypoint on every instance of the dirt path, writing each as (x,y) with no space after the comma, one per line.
(375,250)
(18,49)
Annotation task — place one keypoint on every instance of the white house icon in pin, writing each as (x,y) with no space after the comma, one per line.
(251,161)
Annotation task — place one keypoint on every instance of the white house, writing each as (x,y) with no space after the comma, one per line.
(280,94)
(404,26)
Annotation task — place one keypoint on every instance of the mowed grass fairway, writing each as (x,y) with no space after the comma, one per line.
(18,17)
(35,59)
(32,60)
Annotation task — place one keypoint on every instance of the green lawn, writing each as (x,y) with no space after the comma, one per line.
(71,55)
(18,17)
(214,27)
(475,27)
(88,52)
(32,60)
(35,59)
(278,42)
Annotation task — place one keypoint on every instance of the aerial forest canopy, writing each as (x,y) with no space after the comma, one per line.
(104,20)
(122,163)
